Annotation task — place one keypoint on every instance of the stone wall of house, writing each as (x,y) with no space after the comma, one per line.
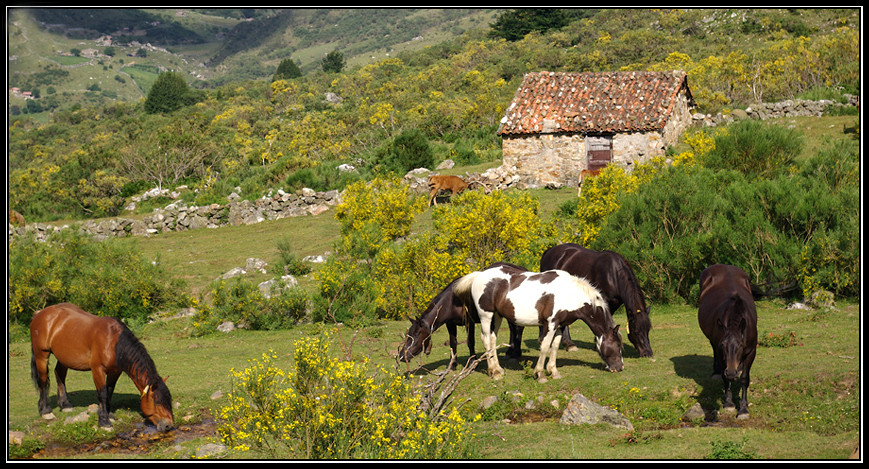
(637,146)
(680,119)
(545,159)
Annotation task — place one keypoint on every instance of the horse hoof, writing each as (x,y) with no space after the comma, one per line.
(542,380)
(572,348)
(556,375)
(106,428)
(742,416)
(49,416)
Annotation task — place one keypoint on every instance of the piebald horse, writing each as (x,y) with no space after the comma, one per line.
(82,341)
(551,300)
(447,308)
(610,273)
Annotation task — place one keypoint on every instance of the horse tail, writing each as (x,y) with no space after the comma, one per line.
(34,373)
(462,287)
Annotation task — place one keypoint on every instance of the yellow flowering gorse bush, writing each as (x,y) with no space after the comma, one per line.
(329,408)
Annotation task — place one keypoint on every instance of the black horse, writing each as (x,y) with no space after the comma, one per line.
(447,308)
(728,318)
(610,273)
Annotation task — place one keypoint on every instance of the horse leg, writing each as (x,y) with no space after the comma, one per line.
(451,329)
(103,397)
(489,330)
(111,381)
(514,351)
(39,372)
(742,413)
(471,345)
(553,351)
(432,196)
(547,344)
(62,399)
(717,362)
(567,342)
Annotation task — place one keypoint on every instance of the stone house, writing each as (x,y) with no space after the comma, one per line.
(561,123)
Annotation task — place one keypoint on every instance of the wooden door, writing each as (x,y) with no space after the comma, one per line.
(600,151)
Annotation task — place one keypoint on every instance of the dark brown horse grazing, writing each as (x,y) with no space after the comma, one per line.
(448,309)
(610,273)
(105,346)
(728,317)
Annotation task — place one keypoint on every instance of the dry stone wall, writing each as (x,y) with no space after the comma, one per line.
(178,216)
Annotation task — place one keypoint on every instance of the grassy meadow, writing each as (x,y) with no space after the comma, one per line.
(804,394)
(805,391)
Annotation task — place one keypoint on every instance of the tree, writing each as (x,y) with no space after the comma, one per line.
(287,70)
(333,62)
(513,25)
(168,93)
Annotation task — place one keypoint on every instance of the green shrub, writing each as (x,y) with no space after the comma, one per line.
(103,278)
(409,150)
(792,232)
(756,149)
(289,263)
(244,304)
(730,450)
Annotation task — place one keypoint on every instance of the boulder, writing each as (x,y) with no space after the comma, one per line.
(580,410)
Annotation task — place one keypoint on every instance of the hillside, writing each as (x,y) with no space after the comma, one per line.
(95,56)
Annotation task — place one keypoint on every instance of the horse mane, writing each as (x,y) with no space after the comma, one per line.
(623,268)
(590,291)
(133,359)
(735,311)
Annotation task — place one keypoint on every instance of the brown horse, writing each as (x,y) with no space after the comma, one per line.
(728,318)
(105,346)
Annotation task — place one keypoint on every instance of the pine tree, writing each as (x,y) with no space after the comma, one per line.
(333,62)
(287,70)
(167,94)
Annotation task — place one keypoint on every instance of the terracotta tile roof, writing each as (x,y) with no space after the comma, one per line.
(549,102)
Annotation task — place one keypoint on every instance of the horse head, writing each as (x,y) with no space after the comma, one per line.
(417,340)
(157,405)
(609,346)
(638,331)
(733,344)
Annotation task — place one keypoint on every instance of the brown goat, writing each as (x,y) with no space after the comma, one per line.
(454,184)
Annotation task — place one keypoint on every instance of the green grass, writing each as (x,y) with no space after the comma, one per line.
(804,398)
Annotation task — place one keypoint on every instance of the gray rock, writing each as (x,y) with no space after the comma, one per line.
(580,410)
